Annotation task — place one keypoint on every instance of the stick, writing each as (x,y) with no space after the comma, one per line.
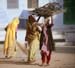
(23,49)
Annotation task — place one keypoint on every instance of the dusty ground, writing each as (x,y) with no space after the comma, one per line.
(58,60)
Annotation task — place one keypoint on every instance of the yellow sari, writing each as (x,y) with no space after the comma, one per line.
(32,36)
(9,44)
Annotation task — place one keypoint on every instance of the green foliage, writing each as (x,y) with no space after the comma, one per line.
(69,15)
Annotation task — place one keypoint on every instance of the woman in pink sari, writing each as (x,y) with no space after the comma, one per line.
(46,41)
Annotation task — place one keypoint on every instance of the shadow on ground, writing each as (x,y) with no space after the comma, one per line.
(20,62)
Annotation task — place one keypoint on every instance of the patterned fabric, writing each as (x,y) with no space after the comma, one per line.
(31,32)
(44,49)
(50,43)
(32,36)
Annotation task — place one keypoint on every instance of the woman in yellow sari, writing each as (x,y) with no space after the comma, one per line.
(9,44)
(32,36)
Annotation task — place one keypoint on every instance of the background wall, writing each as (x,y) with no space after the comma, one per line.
(6,16)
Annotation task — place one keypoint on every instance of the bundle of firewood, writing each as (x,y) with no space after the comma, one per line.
(48,9)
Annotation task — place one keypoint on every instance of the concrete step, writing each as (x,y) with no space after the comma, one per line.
(58,36)
(64,47)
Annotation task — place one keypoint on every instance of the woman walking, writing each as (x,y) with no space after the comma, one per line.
(32,37)
(46,41)
(10,38)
